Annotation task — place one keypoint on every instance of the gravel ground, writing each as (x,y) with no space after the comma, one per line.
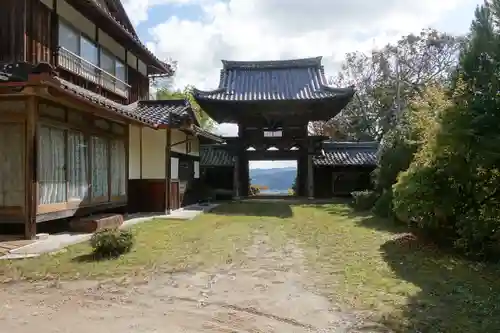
(268,293)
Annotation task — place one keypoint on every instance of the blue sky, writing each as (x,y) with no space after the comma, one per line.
(199,33)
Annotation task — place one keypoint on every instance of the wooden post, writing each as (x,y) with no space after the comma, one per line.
(168,168)
(127,164)
(236,176)
(31,179)
(310,176)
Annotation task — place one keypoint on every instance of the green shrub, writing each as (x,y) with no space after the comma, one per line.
(383,207)
(363,200)
(111,242)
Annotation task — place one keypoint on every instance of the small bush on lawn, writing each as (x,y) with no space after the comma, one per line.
(364,200)
(111,242)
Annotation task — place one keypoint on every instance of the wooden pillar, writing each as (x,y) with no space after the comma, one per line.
(168,170)
(127,165)
(31,179)
(310,176)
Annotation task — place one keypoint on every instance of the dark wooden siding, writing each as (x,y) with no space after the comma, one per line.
(12,30)
(29,32)
(139,85)
(41,39)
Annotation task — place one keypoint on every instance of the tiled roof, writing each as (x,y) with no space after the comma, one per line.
(158,111)
(335,154)
(125,110)
(215,155)
(207,134)
(153,113)
(347,154)
(299,79)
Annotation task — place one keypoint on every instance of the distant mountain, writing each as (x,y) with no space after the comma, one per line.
(277,179)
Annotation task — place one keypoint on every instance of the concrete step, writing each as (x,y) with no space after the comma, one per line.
(96,222)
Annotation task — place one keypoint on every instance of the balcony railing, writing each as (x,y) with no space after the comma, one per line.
(77,65)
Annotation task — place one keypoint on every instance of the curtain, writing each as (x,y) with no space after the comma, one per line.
(78,166)
(51,168)
(11,164)
(100,167)
(118,164)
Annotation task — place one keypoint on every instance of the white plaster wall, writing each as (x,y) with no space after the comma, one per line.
(111,45)
(195,147)
(153,153)
(174,168)
(134,160)
(178,136)
(71,15)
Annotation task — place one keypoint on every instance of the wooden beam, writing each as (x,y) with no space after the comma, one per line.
(140,152)
(127,157)
(31,179)
(168,170)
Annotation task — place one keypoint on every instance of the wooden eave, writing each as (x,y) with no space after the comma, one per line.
(99,14)
(45,87)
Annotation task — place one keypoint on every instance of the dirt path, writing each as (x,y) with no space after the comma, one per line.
(267,294)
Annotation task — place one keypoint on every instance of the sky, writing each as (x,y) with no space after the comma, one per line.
(198,34)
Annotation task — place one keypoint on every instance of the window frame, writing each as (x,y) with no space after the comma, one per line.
(100,49)
(88,129)
(63,23)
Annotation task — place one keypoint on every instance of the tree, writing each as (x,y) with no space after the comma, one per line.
(205,121)
(411,64)
(452,186)
(415,127)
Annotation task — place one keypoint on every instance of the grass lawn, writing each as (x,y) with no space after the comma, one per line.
(358,261)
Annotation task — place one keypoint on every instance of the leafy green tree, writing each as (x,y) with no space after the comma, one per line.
(294,186)
(414,128)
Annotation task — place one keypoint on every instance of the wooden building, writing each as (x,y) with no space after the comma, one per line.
(164,155)
(339,168)
(73,90)
(344,167)
(272,102)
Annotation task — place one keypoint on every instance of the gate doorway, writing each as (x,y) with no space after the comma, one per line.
(272,102)
(272,178)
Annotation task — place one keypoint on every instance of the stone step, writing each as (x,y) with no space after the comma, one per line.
(98,222)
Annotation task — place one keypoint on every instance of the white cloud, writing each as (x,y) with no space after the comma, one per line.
(279,29)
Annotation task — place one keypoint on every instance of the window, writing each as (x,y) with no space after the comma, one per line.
(118,168)
(100,169)
(108,65)
(114,72)
(78,158)
(51,166)
(89,51)
(107,62)
(196,169)
(121,74)
(68,38)
(120,71)
(273,134)
(174,168)
(12,165)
